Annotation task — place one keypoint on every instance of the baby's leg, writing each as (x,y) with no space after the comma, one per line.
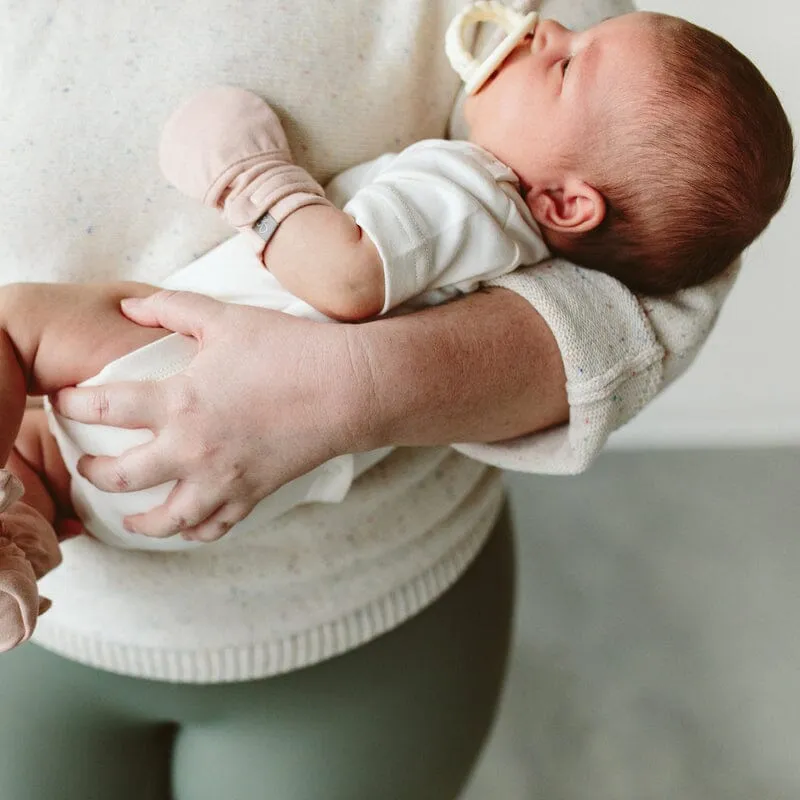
(56,335)
(51,336)
(12,394)
(36,461)
(65,333)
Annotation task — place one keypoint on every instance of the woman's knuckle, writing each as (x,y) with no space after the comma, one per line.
(230,475)
(183,400)
(207,450)
(179,522)
(100,404)
(119,479)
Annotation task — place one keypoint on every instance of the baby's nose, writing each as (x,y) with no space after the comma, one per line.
(548,33)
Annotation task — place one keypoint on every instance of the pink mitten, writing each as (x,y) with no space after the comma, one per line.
(28,550)
(226,147)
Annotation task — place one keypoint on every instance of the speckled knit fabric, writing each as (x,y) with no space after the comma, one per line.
(83,98)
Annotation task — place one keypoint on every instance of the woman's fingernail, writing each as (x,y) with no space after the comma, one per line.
(130,302)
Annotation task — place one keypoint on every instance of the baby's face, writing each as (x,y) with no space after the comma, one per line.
(555,89)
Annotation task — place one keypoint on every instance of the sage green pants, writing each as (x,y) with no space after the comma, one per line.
(401,718)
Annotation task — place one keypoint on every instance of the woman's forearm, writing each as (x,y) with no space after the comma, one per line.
(483,368)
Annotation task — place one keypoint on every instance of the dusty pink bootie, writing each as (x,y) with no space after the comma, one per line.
(28,550)
(226,147)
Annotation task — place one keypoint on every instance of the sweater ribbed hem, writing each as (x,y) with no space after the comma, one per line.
(265,659)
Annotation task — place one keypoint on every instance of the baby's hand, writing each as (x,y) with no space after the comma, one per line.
(28,550)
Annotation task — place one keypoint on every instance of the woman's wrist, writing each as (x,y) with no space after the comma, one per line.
(483,368)
(347,396)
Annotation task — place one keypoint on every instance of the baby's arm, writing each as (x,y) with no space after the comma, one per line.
(227,148)
(446,218)
(322,256)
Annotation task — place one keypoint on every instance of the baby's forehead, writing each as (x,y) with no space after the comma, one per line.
(625,52)
(631,33)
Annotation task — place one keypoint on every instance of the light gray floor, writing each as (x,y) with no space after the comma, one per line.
(658,644)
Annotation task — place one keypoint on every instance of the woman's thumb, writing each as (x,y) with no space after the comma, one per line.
(181,312)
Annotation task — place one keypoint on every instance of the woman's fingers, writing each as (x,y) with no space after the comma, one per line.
(218,524)
(141,467)
(124,405)
(140,404)
(184,509)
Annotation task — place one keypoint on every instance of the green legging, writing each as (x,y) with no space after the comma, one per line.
(401,718)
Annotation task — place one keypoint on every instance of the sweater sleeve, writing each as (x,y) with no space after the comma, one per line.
(619,351)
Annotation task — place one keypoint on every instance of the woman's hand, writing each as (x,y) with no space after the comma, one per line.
(267,398)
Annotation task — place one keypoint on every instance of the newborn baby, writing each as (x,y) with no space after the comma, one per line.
(615,147)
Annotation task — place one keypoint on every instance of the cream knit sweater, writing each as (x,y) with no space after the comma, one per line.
(83,97)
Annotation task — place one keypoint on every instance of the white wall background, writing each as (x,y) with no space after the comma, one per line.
(745,387)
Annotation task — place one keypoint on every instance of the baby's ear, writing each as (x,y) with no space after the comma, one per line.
(575,207)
